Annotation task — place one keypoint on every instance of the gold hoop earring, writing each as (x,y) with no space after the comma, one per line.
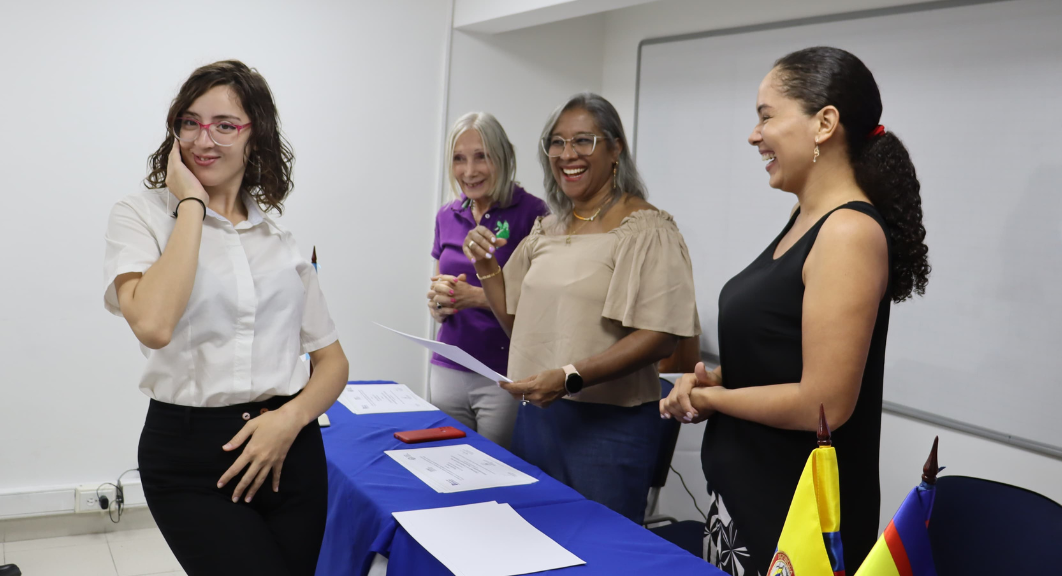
(815,158)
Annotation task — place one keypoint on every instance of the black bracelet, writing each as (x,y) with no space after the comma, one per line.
(201,203)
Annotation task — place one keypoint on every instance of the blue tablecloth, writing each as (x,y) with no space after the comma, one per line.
(365,486)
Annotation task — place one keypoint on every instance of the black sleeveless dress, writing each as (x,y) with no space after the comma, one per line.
(752,469)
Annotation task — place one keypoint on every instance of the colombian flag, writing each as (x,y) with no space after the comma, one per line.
(810,544)
(903,550)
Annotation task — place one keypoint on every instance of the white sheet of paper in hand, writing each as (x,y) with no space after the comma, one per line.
(460,468)
(485,539)
(452,353)
(382,399)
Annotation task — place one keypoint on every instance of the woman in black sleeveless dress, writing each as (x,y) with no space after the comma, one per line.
(806,322)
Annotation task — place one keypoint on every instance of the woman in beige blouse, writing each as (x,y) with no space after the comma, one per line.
(599,292)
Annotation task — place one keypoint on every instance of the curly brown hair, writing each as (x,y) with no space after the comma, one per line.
(824,76)
(267,178)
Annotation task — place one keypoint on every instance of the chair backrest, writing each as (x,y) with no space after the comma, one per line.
(669,433)
(985,527)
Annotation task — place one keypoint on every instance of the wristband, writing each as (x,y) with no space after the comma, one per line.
(201,203)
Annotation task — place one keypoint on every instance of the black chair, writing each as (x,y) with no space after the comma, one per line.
(985,527)
(689,534)
(668,438)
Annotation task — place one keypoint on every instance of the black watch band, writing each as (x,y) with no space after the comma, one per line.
(573,381)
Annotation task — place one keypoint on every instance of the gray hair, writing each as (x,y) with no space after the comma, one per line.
(499,151)
(608,122)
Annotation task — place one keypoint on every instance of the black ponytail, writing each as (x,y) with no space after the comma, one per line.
(885,173)
(822,76)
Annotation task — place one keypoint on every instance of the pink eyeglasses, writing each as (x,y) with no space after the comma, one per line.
(222,133)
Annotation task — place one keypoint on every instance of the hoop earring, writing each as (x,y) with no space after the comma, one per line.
(815,158)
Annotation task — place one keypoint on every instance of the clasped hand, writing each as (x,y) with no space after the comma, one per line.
(448,294)
(678,404)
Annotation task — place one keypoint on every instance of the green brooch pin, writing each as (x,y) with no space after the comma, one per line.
(501,230)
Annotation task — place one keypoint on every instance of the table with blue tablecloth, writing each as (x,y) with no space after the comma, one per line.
(365,486)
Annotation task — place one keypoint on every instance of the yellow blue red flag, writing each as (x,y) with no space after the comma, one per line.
(810,544)
(903,549)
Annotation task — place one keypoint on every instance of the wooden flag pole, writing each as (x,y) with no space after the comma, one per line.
(929,471)
(825,438)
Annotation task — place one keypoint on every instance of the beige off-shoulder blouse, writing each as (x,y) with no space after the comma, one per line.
(575,300)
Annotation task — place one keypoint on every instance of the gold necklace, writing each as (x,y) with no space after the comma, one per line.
(590,219)
(574,230)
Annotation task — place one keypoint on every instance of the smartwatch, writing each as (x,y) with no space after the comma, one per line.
(573,382)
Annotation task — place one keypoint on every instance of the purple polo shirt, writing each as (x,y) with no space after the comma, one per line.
(476,330)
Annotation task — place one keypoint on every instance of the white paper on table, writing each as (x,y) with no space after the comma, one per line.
(382,399)
(448,469)
(453,353)
(486,539)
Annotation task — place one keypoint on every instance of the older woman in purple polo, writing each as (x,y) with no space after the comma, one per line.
(482,172)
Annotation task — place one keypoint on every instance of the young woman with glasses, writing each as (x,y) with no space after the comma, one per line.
(224,305)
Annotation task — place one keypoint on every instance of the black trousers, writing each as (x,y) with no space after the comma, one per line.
(181,461)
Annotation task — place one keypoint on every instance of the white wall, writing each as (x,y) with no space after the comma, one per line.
(904,443)
(86,86)
(492,17)
(624,29)
(521,76)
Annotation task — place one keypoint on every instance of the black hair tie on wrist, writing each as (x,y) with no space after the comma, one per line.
(201,203)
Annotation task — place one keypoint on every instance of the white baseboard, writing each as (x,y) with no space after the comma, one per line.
(58,500)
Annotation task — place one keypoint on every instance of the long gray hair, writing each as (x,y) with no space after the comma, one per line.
(608,122)
(499,151)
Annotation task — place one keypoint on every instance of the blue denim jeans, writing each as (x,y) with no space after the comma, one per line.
(606,453)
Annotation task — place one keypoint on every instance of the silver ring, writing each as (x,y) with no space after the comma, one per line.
(523,400)
(438,305)
(470,243)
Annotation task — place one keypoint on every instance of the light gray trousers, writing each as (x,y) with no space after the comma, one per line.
(476,402)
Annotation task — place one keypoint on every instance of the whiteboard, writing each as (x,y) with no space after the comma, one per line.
(975,92)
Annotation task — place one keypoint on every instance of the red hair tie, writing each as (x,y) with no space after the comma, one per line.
(877,131)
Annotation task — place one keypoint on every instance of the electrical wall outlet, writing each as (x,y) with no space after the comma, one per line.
(86,500)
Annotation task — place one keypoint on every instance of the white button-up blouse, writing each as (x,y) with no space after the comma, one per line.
(255,308)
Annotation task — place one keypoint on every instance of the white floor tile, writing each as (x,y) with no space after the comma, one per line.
(48,543)
(129,535)
(142,556)
(86,560)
